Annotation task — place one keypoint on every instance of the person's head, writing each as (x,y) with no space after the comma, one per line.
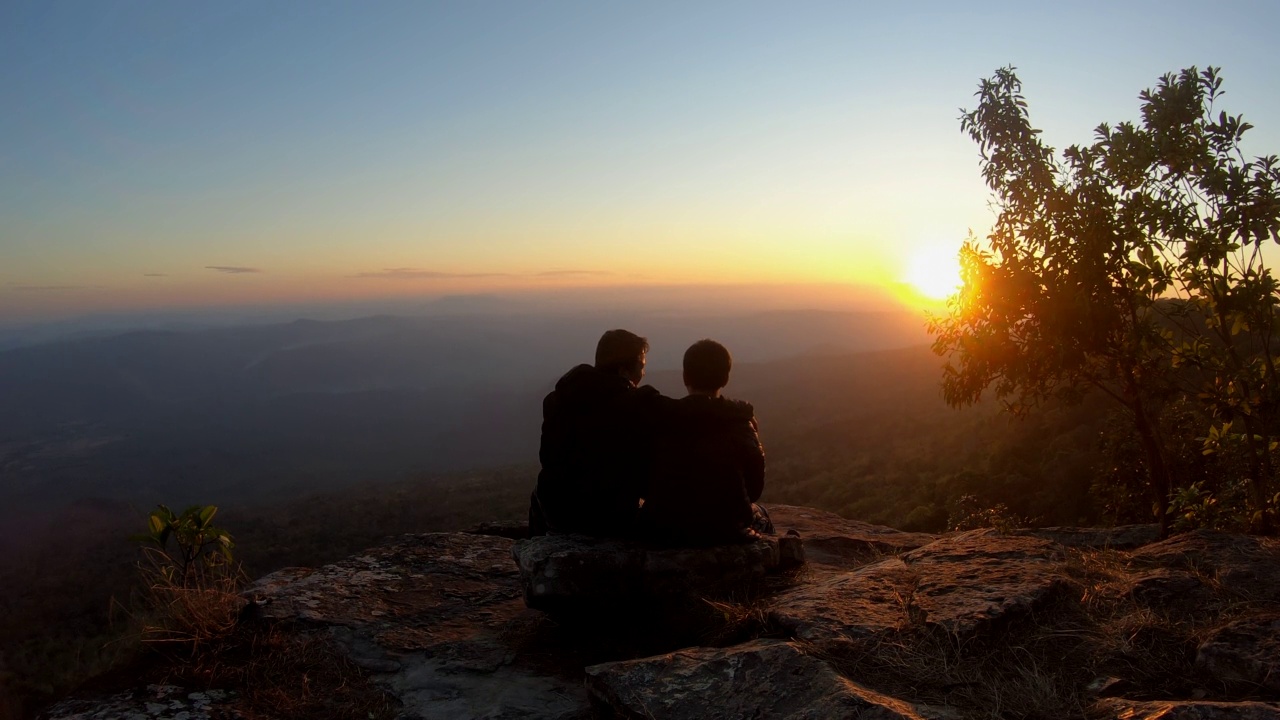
(706,367)
(623,353)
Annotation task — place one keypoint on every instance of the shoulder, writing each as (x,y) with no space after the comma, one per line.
(739,409)
(718,411)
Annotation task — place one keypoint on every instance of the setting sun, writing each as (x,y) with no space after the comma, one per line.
(934,273)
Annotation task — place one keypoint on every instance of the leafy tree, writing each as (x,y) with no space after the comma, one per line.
(1131,267)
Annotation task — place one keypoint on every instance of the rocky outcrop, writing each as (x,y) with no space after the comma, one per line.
(759,679)
(1119,709)
(973,581)
(878,624)
(153,702)
(855,608)
(1164,586)
(1244,564)
(963,584)
(1121,537)
(833,542)
(431,616)
(570,572)
(1245,654)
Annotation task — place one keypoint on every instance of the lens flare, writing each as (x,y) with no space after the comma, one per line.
(935,275)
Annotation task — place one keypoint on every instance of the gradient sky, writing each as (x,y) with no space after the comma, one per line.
(173,154)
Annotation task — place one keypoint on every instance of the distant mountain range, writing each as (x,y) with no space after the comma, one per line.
(265,412)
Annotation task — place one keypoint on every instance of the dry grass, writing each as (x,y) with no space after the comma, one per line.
(188,618)
(281,675)
(194,637)
(1042,665)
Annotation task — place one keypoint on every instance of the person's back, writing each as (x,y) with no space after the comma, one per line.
(595,443)
(708,468)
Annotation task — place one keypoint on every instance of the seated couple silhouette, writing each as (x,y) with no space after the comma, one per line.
(622,460)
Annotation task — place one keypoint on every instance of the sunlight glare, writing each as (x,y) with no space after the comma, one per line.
(934,274)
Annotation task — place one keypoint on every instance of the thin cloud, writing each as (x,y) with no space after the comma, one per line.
(50,288)
(232,269)
(418,274)
(574,273)
(154,275)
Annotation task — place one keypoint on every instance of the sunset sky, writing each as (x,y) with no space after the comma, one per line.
(167,155)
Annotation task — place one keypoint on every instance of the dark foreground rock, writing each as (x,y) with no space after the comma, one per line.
(760,679)
(153,702)
(1244,564)
(964,584)
(1245,654)
(1120,709)
(853,608)
(570,572)
(973,581)
(1121,537)
(1164,587)
(430,616)
(883,625)
(833,542)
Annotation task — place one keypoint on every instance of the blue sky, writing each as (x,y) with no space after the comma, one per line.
(353,150)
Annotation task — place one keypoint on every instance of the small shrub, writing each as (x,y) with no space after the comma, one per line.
(190,581)
(968,513)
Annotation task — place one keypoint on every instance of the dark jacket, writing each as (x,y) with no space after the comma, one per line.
(708,470)
(595,452)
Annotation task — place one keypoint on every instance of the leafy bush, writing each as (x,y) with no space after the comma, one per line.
(190,580)
(968,513)
(186,550)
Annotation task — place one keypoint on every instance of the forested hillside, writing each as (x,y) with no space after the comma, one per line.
(865,435)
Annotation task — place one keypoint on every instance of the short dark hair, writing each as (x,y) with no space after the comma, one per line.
(706,366)
(620,350)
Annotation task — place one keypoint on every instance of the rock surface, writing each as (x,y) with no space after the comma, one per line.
(559,572)
(153,702)
(1245,653)
(760,679)
(1245,564)
(1166,586)
(963,584)
(1121,537)
(841,611)
(833,542)
(1119,709)
(439,622)
(429,615)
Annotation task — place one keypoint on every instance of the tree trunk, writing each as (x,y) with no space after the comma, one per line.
(1259,472)
(1158,472)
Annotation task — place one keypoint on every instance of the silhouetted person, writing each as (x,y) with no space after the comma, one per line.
(708,468)
(596,447)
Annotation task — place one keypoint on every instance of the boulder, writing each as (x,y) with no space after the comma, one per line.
(1163,587)
(973,581)
(1120,537)
(759,679)
(856,608)
(833,542)
(1121,709)
(431,617)
(963,584)
(1245,654)
(153,702)
(560,572)
(1242,563)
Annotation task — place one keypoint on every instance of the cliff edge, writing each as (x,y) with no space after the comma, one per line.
(876,624)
